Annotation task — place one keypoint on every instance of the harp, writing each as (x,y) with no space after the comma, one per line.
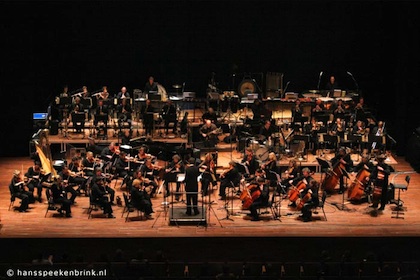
(42,146)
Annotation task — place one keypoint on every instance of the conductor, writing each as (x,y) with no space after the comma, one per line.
(191,187)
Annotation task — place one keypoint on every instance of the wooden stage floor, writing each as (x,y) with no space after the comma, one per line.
(358,220)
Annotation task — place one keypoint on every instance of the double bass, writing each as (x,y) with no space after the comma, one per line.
(333,177)
(357,188)
(249,195)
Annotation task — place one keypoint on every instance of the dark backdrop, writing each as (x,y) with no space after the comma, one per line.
(48,44)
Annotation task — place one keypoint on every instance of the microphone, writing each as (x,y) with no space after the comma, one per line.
(320,73)
(350,74)
(319,79)
(287,84)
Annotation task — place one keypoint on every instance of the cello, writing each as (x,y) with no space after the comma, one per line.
(357,188)
(295,191)
(249,195)
(377,187)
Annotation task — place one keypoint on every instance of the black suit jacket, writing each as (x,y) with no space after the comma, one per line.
(191,174)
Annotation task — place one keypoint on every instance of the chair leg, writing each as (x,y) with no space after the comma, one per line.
(128,213)
(323,211)
(122,214)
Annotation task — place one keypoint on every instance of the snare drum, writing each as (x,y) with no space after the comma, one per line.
(262,153)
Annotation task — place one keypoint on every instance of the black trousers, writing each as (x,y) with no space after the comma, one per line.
(192,202)
(65,204)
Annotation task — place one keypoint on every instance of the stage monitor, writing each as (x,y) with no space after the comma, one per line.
(39,116)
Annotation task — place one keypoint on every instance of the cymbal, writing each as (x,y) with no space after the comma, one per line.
(176,86)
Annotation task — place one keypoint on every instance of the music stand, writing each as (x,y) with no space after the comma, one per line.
(325,166)
(342,206)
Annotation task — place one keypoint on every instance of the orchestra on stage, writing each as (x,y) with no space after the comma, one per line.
(342,125)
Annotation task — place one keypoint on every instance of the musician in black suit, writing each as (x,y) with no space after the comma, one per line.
(78,115)
(297,112)
(99,175)
(150,86)
(17,189)
(365,163)
(306,178)
(261,200)
(34,176)
(147,113)
(59,195)
(191,187)
(379,177)
(331,86)
(169,116)
(99,195)
(229,178)
(311,200)
(124,111)
(101,114)
(250,161)
(267,130)
(344,158)
(210,115)
(174,168)
(140,199)
(208,132)
(148,171)
(123,93)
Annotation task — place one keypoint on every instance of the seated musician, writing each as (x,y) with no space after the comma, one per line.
(140,199)
(306,178)
(359,128)
(344,158)
(297,112)
(270,168)
(69,181)
(360,110)
(88,164)
(123,93)
(126,137)
(111,152)
(312,129)
(261,200)
(338,109)
(142,156)
(318,109)
(176,166)
(379,178)
(291,173)
(122,165)
(250,161)
(208,168)
(34,176)
(148,171)
(365,163)
(210,115)
(229,178)
(106,179)
(266,131)
(169,116)
(104,95)
(101,114)
(151,86)
(146,112)
(100,196)
(17,189)
(59,195)
(93,147)
(85,92)
(124,111)
(209,133)
(310,200)
(78,117)
(338,128)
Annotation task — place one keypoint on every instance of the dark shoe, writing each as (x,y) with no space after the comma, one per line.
(293,204)
(149,217)
(167,194)
(340,192)
(381,208)
(222,197)
(68,215)
(373,206)
(60,211)
(113,204)
(22,210)
(254,219)
(110,216)
(305,220)
(188,213)
(196,213)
